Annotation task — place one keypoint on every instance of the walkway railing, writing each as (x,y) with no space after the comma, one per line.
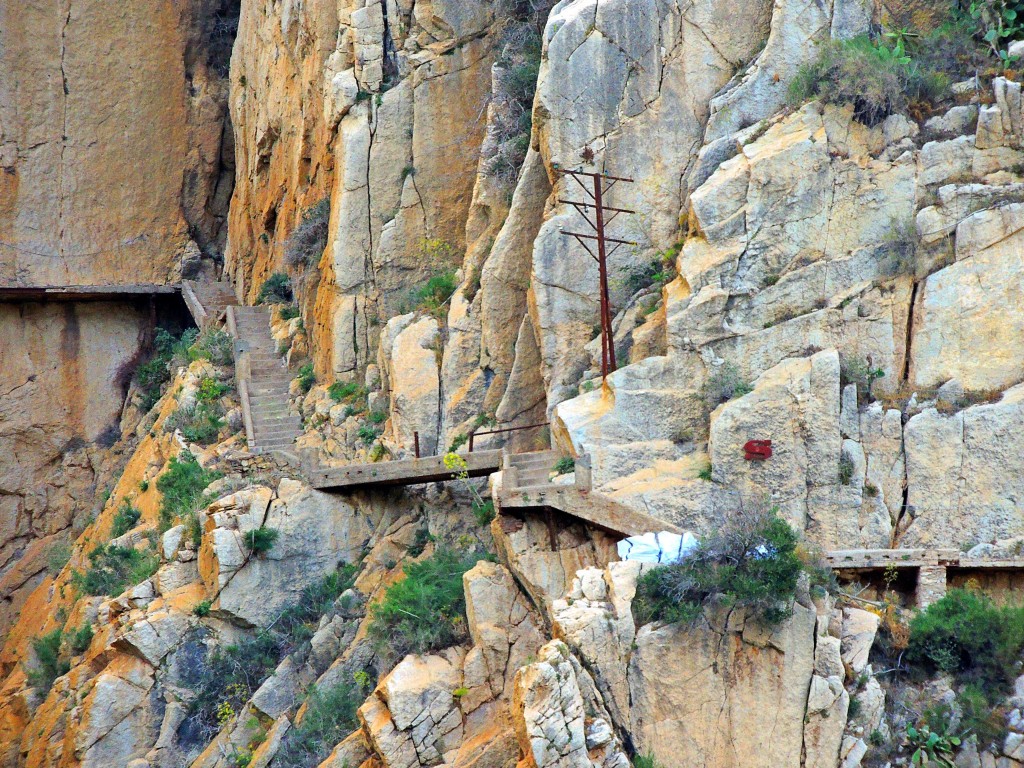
(474,435)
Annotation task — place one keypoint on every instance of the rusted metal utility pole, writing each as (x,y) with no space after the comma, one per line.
(597,185)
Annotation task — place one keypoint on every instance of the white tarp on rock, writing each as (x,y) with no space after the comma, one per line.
(661,547)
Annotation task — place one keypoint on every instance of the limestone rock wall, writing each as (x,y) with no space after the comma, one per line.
(111,135)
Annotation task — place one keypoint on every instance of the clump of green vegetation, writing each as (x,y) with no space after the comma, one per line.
(433,295)
(57,556)
(661,270)
(346,392)
(565,465)
(931,747)
(214,345)
(306,244)
(646,761)
(78,640)
(202,608)
(519,67)
(125,519)
(113,568)
(306,377)
(969,637)
(705,473)
(846,468)
(368,433)
(457,442)
(277,289)
(261,540)
(200,423)
(48,664)
(151,376)
(725,384)
(483,512)
(181,488)
(877,79)
(752,562)
(855,370)
(289,312)
(211,390)
(330,716)
(426,610)
(234,673)
(378,417)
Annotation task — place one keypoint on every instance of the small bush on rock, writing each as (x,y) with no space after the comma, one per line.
(752,562)
(261,540)
(49,665)
(426,610)
(80,639)
(200,423)
(725,384)
(214,345)
(306,377)
(113,568)
(181,488)
(126,518)
(276,290)
(306,244)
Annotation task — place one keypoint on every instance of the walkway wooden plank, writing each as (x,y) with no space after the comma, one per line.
(594,508)
(403,472)
(84,292)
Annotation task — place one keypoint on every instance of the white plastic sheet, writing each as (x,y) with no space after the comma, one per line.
(661,547)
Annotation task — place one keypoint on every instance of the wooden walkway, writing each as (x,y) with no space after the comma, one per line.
(85,292)
(387,474)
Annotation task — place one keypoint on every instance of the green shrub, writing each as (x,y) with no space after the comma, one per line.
(346,391)
(214,345)
(855,370)
(113,568)
(276,290)
(80,639)
(181,488)
(144,486)
(234,672)
(202,608)
(931,748)
(876,79)
(483,512)
(706,473)
(306,377)
(200,423)
(289,312)
(426,610)
(724,384)
(168,350)
(565,465)
(261,540)
(998,23)
(519,65)
(846,468)
(49,665)
(211,390)
(378,417)
(646,761)
(306,244)
(368,433)
(330,716)
(966,635)
(433,295)
(457,442)
(126,518)
(751,562)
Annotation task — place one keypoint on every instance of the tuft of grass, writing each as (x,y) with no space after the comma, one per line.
(846,468)
(483,512)
(202,608)
(330,716)
(306,377)
(277,289)
(346,391)
(426,610)
(433,295)
(78,640)
(724,385)
(368,433)
(705,473)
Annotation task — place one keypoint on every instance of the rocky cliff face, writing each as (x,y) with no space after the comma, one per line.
(116,162)
(848,288)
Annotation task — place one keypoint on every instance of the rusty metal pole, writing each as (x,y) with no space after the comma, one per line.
(416,443)
(471,436)
(608,359)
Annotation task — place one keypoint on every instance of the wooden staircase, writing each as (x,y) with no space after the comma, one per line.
(263,382)
(524,485)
